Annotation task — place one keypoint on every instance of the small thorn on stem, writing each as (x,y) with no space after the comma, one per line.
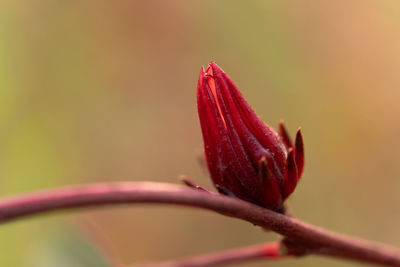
(190,183)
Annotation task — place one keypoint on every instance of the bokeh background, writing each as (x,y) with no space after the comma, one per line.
(105,91)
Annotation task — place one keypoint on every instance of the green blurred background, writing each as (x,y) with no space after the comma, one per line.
(105,91)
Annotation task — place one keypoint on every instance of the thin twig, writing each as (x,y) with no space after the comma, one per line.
(263,251)
(332,244)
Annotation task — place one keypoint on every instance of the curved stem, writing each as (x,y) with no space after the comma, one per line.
(263,251)
(304,234)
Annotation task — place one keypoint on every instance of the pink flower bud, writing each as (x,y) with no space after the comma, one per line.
(245,157)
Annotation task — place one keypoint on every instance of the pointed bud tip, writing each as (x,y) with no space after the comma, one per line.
(299,149)
(285,135)
(215,67)
(299,137)
(281,125)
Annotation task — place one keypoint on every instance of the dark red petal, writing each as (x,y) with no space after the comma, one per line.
(270,188)
(265,135)
(299,152)
(247,175)
(291,176)
(285,135)
(235,123)
(210,125)
(220,155)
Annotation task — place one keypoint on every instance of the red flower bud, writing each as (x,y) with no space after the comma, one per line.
(245,158)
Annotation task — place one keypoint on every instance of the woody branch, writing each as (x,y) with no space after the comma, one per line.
(298,234)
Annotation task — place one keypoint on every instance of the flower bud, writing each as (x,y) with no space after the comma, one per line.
(245,157)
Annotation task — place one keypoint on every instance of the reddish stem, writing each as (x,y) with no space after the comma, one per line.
(306,235)
(263,251)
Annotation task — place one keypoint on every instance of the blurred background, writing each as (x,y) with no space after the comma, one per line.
(96,91)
